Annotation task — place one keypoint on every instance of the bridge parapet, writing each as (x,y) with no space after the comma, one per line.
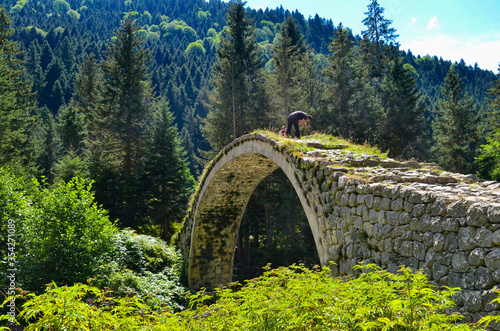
(361,210)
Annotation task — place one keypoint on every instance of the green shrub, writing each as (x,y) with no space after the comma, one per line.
(147,267)
(291,298)
(65,237)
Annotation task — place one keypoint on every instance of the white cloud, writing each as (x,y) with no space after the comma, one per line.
(433,23)
(481,49)
(413,21)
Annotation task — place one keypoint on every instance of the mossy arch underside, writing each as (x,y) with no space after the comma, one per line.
(210,230)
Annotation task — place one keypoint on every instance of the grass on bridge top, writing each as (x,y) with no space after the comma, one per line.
(329,142)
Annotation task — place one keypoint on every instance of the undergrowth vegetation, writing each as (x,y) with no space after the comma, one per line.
(287,298)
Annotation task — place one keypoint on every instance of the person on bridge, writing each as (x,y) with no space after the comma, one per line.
(294,119)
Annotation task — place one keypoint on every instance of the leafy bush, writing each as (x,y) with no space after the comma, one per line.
(291,298)
(61,234)
(145,266)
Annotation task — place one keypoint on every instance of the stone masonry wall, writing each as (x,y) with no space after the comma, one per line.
(367,210)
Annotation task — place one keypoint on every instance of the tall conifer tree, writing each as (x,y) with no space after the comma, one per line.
(16,100)
(400,125)
(237,97)
(289,51)
(455,126)
(127,95)
(167,181)
(342,82)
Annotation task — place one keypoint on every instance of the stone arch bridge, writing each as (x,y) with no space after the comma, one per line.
(360,209)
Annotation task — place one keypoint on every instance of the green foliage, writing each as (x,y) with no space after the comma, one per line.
(237,102)
(62,235)
(288,298)
(61,5)
(66,236)
(455,126)
(146,266)
(195,48)
(16,101)
(488,161)
(73,14)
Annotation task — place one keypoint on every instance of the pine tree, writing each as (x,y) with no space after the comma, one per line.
(237,97)
(49,147)
(341,76)
(127,93)
(72,128)
(167,180)
(117,144)
(16,100)
(455,126)
(379,39)
(401,122)
(88,85)
(289,51)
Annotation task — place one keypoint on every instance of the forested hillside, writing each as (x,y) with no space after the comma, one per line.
(138,95)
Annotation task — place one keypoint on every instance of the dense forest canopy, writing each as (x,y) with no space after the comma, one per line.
(138,95)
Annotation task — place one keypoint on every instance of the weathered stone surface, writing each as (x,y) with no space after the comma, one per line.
(484,278)
(459,263)
(483,237)
(439,241)
(476,257)
(439,270)
(466,238)
(476,215)
(492,260)
(472,301)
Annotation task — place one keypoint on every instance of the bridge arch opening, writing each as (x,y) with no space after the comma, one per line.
(221,201)
(274,229)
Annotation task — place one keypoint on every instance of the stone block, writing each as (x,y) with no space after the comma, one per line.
(418,210)
(397,204)
(466,238)
(368,199)
(386,204)
(495,238)
(352,200)
(493,213)
(360,199)
(484,279)
(457,209)
(393,217)
(416,197)
(439,271)
(476,257)
(439,207)
(459,262)
(476,215)
(451,242)
(436,224)
(483,237)
(377,203)
(438,242)
(492,260)
(450,224)
(408,207)
(472,301)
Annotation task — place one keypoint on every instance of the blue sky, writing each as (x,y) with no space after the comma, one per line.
(452,29)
